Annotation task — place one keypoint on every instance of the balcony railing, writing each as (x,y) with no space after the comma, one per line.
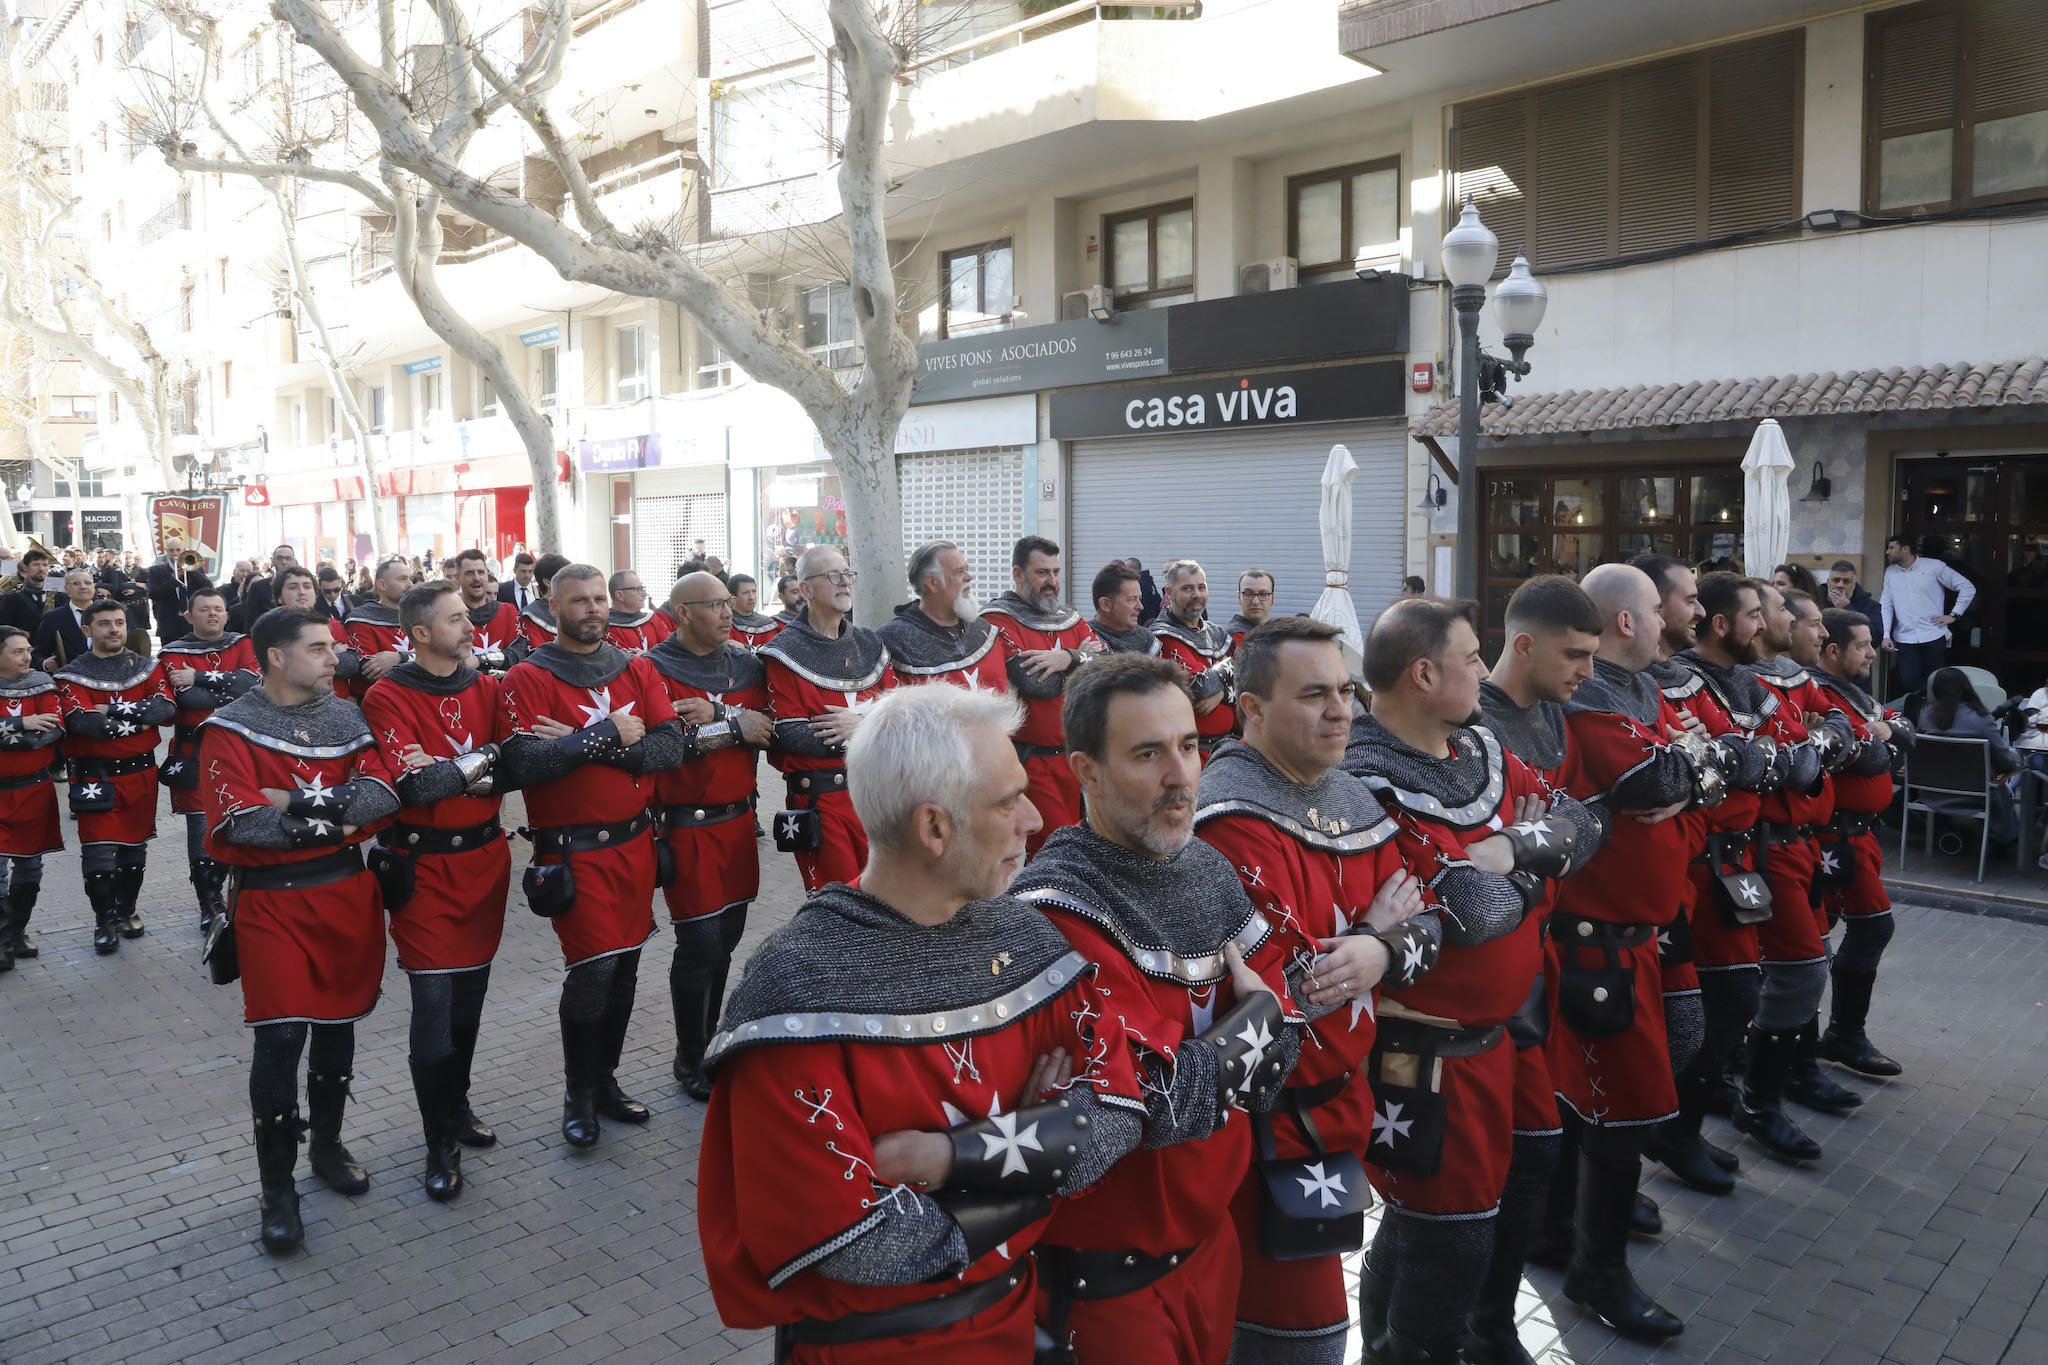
(1035,27)
(170,218)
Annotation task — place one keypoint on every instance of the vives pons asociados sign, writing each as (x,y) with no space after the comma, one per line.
(1060,355)
(1334,393)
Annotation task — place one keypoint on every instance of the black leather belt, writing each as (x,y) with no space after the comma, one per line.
(1400,1034)
(423,839)
(691,817)
(1072,1273)
(1850,825)
(26,780)
(337,866)
(1598,933)
(926,1315)
(113,767)
(589,838)
(1725,847)
(1770,835)
(815,781)
(184,734)
(1315,1096)
(1209,744)
(1036,750)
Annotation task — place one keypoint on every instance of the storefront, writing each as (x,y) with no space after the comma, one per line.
(1228,471)
(660,493)
(325,516)
(967,472)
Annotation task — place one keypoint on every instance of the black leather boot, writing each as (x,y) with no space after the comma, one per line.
(432,1083)
(208,880)
(1678,1145)
(613,1102)
(470,1130)
(128,878)
(1760,1111)
(1645,1220)
(277,1156)
(581,1065)
(1845,1042)
(692,1034)
(1490,1334)
(1394,1349)
(1806,1084)
(1374,1294)
(21,903)
(1598,1278)
(326,1098)
(104,895)
(1550,1244)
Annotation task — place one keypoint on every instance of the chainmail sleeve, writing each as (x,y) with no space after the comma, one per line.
(85,724)
(16,735)
(909,1240)
(1477,907)
(1588,824)
(156,711)
(1180,1094)
(1752,769)
(1664,778)
(797,737)
(663,747)
(1297,974)
(365,800)
(347,663)
(1113,1133)
(528,760)
(261,827)
(1034,688)
(1873,756)
(436,782)
(1206,684)
(200,697)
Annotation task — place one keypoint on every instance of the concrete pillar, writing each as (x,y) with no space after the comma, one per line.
(1831,153)
(1225,213)
(1045,260)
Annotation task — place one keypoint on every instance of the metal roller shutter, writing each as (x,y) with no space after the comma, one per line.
(974,498)
(1237,499)
(663,530)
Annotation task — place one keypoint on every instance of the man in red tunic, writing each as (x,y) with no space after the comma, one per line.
(494,621)
(939,635)
(114,701)
(1184,634)
(1852,865)
(705,808)
(824,672)
(295,587)
(293,783)
(1043,642)
(884,1146)
(587,728)
(31,721)
(209,667)
(1146,1268)
(1474,821)
(373,628)
(537,623)
(443,864)
(1255,588)
(749,627)
(1317,856)
(634,625)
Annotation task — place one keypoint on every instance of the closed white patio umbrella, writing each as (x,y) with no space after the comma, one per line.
(1334,517)
(1766,500)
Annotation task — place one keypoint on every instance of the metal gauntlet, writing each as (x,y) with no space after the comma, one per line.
(715,735)
(1026,1151)
(477,770)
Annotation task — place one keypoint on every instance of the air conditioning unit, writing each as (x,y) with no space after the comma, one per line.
(1263,277)
(1096,301)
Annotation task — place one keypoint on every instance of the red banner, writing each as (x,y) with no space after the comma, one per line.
(197,518)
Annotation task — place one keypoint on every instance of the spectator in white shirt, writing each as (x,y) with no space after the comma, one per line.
(1916,614)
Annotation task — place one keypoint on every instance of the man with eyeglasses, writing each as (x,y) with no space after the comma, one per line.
(704,807)
(1254,606)
(824,673)
(634,626)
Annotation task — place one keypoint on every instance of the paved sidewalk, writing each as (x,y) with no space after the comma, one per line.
(127,1182)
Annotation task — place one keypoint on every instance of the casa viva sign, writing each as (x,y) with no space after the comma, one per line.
(1332,394)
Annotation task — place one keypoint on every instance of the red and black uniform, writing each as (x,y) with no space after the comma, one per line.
(224,668)
(1203,652)
(705,807)
(756,630)
(1041,741)
(495,625)
(1237,627)
(373,628)
(1311,859)
(1147,1266)
(940,1031)
(638,630)
(967,654)
(29,828)
(111,755)
(809,674)
(536,627)
(1791,817)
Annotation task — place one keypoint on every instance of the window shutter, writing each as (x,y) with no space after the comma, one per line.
(1574,154)
(1753,130)
(1915,66)
(1493,169)
(1660,157)
(2008,58)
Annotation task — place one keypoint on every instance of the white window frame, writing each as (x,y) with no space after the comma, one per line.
(840,354)
(805,146)
(487,401)
(547,387)
(430,398)
(714,366)
(632,384)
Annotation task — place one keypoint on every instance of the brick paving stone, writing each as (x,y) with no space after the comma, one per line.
(128,1200)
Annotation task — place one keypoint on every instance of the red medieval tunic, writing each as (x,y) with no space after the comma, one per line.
(1682,688)
(812,1069)
(809,674)
(641,630)
(1473,986)
(587,781)
(1165,989)
(114,749)
(1621,728)
(1200,651)
(226,668)
(1797,928)
(29,762)
(756,630)
(448,834)
(537,625)
(313,950)
(707,802)
(1311,859)
(495,625)
(1729,703)
(1849,864)
(1041,740)
(968,655)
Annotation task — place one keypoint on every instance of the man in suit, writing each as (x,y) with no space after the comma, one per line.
(520,589)
(171,588)
(60,635)
(123,589)
(256,598)
(24,607)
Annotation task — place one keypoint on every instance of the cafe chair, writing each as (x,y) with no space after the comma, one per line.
(1959,769)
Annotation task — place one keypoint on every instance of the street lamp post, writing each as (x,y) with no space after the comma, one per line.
(1470,252)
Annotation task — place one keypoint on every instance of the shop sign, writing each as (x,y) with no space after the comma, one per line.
(1335,394)
(618,455)
(92,522)
(541,337)
(427,366)
(1058,355)
(255,495)
(1010,421)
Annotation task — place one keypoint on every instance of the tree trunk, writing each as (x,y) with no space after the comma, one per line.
(866,464)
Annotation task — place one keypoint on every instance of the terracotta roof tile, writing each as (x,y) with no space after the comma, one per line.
(1900,388)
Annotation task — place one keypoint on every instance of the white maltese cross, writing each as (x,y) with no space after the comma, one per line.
(1326,1187)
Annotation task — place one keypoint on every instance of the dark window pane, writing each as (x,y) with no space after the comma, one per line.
(1716,497)
(1579,553)
(1511,502)
(1513,557)
(1578,502)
